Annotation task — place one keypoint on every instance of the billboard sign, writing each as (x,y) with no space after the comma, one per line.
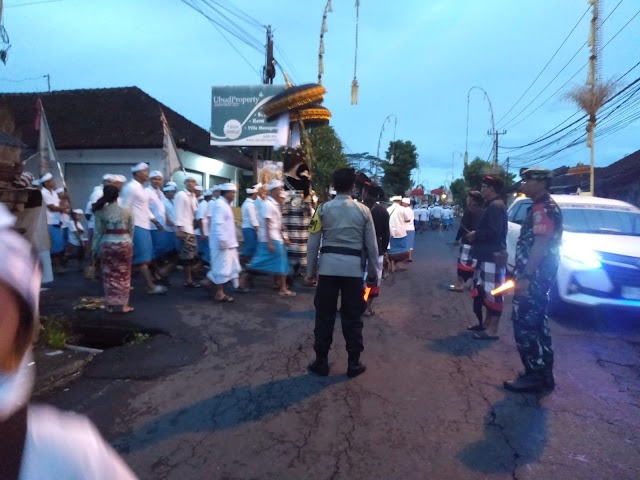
(237,119)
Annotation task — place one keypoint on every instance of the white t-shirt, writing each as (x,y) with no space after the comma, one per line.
(447,213)
(73,239)
(436,212)
(272,213)
(135,198)
(51,198)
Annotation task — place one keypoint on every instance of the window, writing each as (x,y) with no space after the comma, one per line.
(518,212)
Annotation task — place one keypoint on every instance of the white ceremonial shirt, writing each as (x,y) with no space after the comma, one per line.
(93,198)
(273,213)
(410,217)
(186,204)
(170,210)
(249,214)
(136,199)
(223,227)
(51,198)
(397,221)
(73,228)
(156,205)
(447,213)
(436,212)
(201,214)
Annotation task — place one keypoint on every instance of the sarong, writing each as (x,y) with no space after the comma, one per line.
(296,219)
(203,248)
(163,243)
(142,246)
(57,240)
(225,265)
(270,262)
(466,263)
(115,260)
(250,242)
(398,245)
(188,249)
(487,277)
(411,236)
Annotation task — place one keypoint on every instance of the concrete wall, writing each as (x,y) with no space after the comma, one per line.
(84,168)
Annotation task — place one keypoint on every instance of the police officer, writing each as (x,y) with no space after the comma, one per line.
(537,256)
(348,239)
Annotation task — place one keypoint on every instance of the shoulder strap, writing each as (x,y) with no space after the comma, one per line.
(14,434)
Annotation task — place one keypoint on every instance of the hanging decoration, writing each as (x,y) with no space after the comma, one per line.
(354,83)
(323,29)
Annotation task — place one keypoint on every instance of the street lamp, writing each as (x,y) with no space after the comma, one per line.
(391,160)
(493,125)
(453,158)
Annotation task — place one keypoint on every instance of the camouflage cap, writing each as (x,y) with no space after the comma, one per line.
(537,174)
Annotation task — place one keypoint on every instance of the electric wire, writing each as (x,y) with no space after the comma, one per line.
(510,122)
(545,67)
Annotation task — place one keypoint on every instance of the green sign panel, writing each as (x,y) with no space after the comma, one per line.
(237,118)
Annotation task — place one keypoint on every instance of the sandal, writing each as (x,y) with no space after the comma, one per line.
(242,290)
(287,293)
(225,299)
(453,288)
(369,313)
(485,336)
(476,328)
(192,285)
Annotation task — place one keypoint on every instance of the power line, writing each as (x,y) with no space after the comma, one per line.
(23,79)
(546,135)
(32,3)
(545,67)
(510,122)
(240,14)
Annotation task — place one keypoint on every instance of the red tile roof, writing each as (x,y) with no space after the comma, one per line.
(124,117)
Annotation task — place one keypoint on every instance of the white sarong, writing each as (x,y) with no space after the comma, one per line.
(225,265)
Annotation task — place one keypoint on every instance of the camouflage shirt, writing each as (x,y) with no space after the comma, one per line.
(544,218)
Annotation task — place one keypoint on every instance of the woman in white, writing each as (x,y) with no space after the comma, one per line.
(410,226)
(223,243)
(38,442)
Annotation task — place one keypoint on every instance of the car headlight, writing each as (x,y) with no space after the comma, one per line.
(586,257)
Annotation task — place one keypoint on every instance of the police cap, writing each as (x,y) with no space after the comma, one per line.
(537,174)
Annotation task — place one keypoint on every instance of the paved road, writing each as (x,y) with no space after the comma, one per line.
(430,406)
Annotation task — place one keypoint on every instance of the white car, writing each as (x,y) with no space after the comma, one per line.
(600,253)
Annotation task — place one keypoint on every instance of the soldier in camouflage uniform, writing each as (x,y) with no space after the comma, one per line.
(537,256)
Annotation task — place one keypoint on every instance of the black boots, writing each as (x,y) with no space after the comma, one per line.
(532,382)
(356,367)
(320,366)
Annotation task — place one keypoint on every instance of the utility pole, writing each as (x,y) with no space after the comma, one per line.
(48,82)
(495,134)
(592,80)
(269,69)
(507,169)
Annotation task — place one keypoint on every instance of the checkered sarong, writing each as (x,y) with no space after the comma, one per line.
(487,277)
(296,221)
(465,261)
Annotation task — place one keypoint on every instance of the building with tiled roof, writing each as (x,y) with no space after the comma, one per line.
(98,131)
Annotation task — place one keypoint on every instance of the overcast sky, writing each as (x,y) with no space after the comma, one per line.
(417,60)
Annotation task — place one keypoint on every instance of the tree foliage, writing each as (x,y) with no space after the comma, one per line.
(328,156)
(474,172)
(397,175)
(459,191)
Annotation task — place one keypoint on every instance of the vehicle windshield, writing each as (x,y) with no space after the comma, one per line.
(594,220)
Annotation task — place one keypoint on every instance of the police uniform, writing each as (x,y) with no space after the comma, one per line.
(348,237)
(529,316)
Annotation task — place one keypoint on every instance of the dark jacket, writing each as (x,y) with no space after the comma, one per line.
(469,223)
(491,234)
(381,224)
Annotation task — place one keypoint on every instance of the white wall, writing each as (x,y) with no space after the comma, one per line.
(84,168)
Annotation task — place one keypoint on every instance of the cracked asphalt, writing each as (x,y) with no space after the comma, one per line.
(240,405)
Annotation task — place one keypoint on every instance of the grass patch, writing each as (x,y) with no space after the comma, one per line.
(54,331)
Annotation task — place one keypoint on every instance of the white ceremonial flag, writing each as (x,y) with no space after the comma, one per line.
(171,160)
(46,148)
